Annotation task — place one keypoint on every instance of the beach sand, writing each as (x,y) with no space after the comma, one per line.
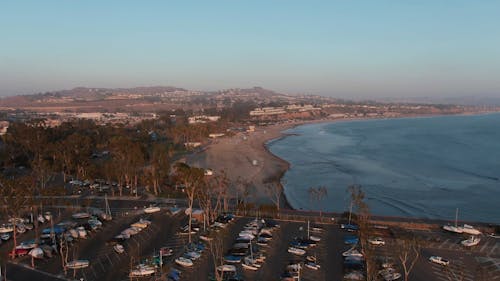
(235,156)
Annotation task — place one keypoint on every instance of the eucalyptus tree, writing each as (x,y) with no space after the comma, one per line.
(275,192)
(128,159)
(15,194)
(317,194)
(191,179)
(408,253)
(158,169)
(362,211)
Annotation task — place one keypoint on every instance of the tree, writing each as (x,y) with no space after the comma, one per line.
(15,194)
(243,192)
(129,159)
(408,254)
(191,179)
(221,185)
(217,253)
(317,194)
(275,189)
(362,218)
(159,166)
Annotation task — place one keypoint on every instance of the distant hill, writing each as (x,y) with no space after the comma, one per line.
(138,99)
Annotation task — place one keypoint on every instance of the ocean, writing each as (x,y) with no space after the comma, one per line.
(422,167)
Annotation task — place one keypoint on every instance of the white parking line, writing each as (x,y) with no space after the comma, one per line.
(483,247)
(442,244)
(493,249)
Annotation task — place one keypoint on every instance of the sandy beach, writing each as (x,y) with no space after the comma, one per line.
(235,156)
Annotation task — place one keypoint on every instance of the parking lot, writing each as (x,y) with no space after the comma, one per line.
(481,262)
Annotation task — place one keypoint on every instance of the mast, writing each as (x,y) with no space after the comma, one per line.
(308,235)
(108,210)
(350,212)
(456,217)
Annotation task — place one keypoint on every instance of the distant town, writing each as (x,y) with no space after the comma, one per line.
(255,105)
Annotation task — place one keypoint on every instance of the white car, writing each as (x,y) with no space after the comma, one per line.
(376,241)
(439,260)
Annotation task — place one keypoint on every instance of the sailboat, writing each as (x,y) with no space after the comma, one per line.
(296,251)
(151,209)
(454,228)
(6,228)
(472,241)
(352,252)
(469,229)
(36,253)
(142,270)
(182,261)
(312,237)
(249,262)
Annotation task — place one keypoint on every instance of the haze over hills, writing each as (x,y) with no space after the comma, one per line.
(459,100)
(258,93)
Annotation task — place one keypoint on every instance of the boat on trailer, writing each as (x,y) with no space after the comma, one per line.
(142,270)
(185,262)
(81,215)
(77,264)
(151,209)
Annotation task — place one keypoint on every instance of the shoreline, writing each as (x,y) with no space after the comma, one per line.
(234,155)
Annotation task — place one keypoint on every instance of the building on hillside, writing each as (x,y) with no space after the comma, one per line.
(202,119)
(263,111)
(215,135)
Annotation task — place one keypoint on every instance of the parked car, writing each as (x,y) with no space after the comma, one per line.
(376,241)
(439,260)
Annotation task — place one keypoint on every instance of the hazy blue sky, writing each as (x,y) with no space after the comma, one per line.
(369,48)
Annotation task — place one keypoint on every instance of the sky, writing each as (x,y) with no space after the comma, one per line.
(398,48)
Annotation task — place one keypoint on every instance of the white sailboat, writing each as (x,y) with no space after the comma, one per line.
(312,265)
(151,209)
(352,252)
(142,223)
(142,270)
(226,268)
(249,262)
(469,229)
(5,236)
(184,262)
(472,241)
(296,251)
(6,228)
(36,253)
(454,228)
(249,265)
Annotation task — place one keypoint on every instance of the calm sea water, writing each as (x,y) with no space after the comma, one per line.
(417,167)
